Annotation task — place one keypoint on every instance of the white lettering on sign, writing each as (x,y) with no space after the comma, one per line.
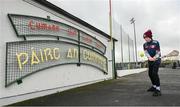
(37,57)
(27,57)
(50,54)
(94,58)
(72,53)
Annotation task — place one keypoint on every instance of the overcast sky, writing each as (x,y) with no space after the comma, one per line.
(161,16)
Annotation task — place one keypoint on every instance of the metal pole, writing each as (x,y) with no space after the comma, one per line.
(121,44)
(128,53)
(133,50)
(133,22)
(110,24)
(128,48)
(111,39)
(135,44)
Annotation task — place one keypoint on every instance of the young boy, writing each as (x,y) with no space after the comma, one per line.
(152,51)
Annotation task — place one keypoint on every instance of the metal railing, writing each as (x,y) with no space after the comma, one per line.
(130,65)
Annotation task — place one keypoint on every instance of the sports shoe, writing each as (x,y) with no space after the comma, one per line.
(152,89)
(157,93)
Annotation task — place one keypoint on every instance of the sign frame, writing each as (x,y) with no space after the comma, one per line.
(78,60)
(63,39)
(57,36)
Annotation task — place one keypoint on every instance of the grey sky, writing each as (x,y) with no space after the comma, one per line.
(161,16)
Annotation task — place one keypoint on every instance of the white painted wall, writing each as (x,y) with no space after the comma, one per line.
(121,73)
(50,80)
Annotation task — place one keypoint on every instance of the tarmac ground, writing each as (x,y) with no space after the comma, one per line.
(125,91)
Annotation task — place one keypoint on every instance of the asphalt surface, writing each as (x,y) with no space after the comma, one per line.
(125,91)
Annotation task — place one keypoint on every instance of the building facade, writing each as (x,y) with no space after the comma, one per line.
(45,50)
